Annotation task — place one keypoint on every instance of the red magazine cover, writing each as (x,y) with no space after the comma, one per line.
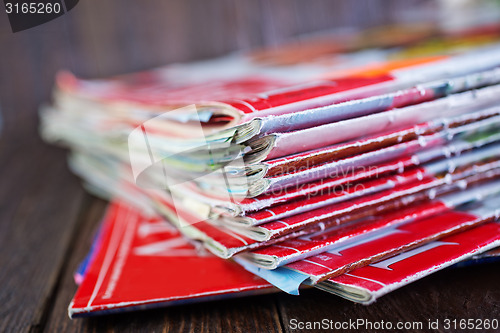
(329,161)
(343,258)
(225,242)
(143,262)
(328,215)
(391,245)
(343,175)
(354,190)
(366,284)
(303,247)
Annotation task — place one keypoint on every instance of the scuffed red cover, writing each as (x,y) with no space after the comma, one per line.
(302,247)
(226,242)
(309,159)
(353,163)
(387,275)
(324,185)
(144,262)
(305,160)
(217,238)
(345,258)
(329,215)
(334,195)
(307,246)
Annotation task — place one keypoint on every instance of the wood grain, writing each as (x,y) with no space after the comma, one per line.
(40,200)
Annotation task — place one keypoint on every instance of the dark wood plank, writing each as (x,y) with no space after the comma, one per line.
(39,202)
(251,314)
(455,293)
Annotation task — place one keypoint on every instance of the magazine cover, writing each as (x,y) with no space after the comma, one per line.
(143,262)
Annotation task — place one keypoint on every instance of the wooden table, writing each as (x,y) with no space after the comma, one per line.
(47,220)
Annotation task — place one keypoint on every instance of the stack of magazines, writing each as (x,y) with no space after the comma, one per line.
(356,174)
